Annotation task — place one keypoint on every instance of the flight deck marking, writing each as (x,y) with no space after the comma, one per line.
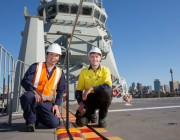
(146,108)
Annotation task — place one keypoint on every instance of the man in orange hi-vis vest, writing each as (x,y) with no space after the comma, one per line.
(44,84)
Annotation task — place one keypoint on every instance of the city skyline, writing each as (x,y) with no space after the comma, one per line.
(152,85)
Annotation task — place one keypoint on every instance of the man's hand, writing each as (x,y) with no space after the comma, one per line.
(56,112)
(86,92)
(38,96)
(81,108)
(127,98)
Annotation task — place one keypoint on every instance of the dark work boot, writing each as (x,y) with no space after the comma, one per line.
(82,121)
(30,128)
(102,123)
(94,118)
(36,124)
(102,116)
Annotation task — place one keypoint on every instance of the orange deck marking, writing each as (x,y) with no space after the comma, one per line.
(82,133)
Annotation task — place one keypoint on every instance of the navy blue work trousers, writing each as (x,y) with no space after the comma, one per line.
(38,112)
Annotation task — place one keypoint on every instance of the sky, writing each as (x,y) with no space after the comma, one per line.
(145,34)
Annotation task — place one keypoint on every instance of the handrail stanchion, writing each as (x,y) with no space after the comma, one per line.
(67,93)
(67,64)
(4,84)
(11,93)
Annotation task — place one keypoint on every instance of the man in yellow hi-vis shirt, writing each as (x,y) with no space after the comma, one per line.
(93,91)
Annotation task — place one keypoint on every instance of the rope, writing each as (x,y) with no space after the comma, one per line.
(72,34)
(77,16)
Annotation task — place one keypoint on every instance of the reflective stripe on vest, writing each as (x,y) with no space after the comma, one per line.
(47,87)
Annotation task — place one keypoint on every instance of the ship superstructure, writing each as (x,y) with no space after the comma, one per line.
(54,23)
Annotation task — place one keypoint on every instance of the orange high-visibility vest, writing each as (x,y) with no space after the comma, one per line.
(47,87)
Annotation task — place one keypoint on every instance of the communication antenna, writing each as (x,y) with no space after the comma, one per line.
(171,71)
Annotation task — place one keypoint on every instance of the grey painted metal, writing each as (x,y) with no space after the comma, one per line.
(32,50)
(32,47)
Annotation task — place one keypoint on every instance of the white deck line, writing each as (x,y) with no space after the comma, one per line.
(146,108)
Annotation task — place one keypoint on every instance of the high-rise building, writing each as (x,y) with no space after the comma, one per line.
(173,86)
(146,89)
(157,85)
(132,88)
(133,85)
(139,87)
(162,88)
(166,88)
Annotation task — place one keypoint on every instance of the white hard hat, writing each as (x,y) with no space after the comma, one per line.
(55,48)
(95,50)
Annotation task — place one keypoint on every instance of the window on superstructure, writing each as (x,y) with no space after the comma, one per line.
(96,14)
(87,11)
(103,18)
(74,9)
(64,8)
(51,9)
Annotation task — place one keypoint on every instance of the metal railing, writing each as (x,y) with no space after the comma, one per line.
(10,87)
(6,82)
(94,1)
(98,2)
(20,69)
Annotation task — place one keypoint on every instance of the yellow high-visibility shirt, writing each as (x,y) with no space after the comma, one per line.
(88,78)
